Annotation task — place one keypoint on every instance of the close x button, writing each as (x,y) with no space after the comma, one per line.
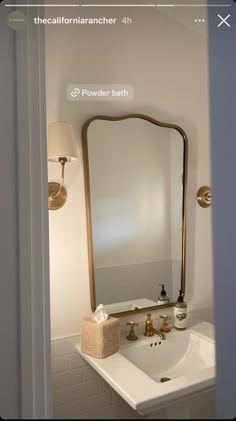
(224,21)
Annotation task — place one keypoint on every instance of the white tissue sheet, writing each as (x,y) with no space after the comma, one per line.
(100,314)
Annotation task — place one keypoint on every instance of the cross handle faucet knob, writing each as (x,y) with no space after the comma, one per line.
(165,328)
(132,336)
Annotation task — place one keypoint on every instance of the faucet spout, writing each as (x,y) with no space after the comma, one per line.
(150,330)
(159,333)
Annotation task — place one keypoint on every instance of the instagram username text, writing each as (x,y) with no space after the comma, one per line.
(61,20)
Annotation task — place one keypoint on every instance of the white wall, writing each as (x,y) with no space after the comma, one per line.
(167,65)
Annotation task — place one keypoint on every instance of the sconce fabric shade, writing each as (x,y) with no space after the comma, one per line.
(61,142)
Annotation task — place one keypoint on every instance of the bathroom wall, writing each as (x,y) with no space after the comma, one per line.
(170,84)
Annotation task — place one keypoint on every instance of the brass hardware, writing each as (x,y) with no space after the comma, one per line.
(159,333)
(132,336)
(54,204)
(148,326)
(204,197)
(89,213)
(165,328)
(150,330)
(56,192)
(165,379)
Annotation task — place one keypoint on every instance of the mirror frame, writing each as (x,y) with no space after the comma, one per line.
(88,205)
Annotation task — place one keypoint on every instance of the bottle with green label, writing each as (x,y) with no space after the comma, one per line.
(180,312)
(163,297)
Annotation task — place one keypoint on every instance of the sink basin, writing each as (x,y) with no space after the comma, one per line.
(180,355)
(151,374)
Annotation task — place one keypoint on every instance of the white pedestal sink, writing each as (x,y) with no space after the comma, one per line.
(150,374)
(179,355)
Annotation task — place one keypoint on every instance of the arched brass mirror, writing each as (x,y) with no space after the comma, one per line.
(135,184)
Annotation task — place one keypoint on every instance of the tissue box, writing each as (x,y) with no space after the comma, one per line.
(100,339)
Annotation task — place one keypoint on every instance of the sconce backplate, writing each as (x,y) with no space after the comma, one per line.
(59,201)
(204,196)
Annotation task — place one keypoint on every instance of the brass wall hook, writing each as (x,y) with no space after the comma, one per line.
(204,197)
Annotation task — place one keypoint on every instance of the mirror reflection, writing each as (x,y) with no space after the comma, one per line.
(134,179)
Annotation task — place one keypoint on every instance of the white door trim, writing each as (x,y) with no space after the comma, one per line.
(34,296)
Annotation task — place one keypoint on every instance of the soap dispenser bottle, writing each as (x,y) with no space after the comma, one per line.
(163,297)
(180,312)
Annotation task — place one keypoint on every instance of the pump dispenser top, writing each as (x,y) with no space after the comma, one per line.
(163,297)
(181,296)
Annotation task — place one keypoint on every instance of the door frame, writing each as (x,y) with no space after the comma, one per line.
(33,230)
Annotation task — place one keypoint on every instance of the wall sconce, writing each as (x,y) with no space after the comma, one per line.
(62,149)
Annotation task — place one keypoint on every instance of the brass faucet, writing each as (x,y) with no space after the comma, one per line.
(150,330)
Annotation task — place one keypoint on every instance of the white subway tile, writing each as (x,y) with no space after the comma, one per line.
(97,401)
(203,405)
(83,390)
(208,315)
(131,414)
(103,386)
(65,346)
(69,378)
(60,397)
(194,315)
(138,318)
(108,413)
(117,399)
(60,364)
(90,374)
(69,411)
(76,361)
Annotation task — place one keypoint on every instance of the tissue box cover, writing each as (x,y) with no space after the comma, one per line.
(100,339)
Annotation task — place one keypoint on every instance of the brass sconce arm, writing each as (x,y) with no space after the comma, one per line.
(61,148)
(56,192)
(63,162)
